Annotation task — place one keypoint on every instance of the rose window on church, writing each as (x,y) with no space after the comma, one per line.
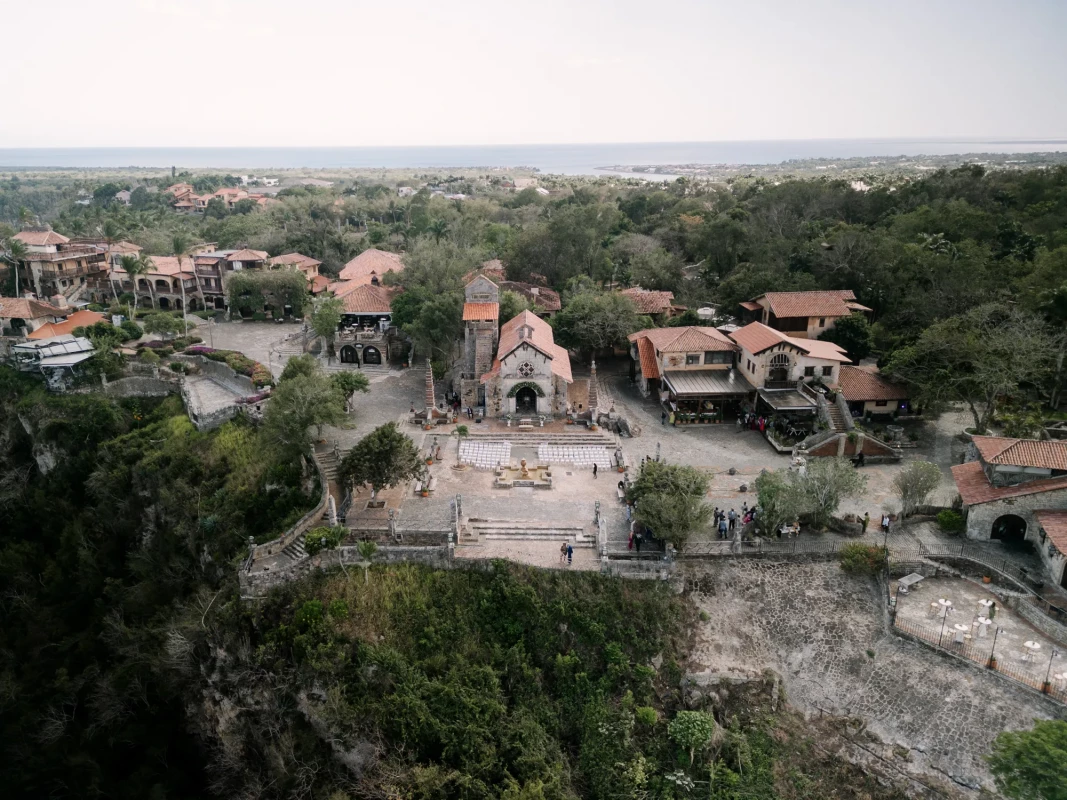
(526,369)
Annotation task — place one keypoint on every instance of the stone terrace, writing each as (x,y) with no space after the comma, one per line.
(814,625)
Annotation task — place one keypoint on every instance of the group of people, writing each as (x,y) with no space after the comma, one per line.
(883,525)
(752,422)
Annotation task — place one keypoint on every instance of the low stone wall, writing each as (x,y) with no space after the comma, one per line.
(1036,617)
(207,421)
(142,386)
(305,523)
(633,569)
(222,373)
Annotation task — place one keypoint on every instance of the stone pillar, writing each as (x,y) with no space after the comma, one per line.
(594,399)
(841,439)
(431,405)
(861,437)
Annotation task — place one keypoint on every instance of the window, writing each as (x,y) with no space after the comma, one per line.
(827,372)
(526,369)
(822,322)
(881,402)
(718,357)
(691,359)
(809,372)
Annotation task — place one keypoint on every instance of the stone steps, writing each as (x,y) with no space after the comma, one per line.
(295,551)
(524,530)
(837,418)
(533,438)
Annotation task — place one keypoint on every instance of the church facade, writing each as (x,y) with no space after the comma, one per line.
(530,373)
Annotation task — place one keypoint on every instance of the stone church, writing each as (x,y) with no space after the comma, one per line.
(481,310)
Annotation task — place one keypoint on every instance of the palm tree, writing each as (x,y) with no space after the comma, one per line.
(181,246)
(111,232)
(16,252)
(438,228)
(135,266)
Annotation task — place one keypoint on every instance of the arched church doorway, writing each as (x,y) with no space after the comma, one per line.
(372,355)
(349,355)
(526,401)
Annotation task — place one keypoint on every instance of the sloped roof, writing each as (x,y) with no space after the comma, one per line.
(860,385)
(367,299)
(298,260)
(757,337)
(124,248)
(481,312)
(751,305)
(319,284)
(1054,523)
(689,339)
(975,488)
(810,304)
(168,265)
(647,301)
(25,308)
(540,296)
(370,263)
(647,355)
(79,319)
(540,338)
(247,255)
(1051,454)
(40,238)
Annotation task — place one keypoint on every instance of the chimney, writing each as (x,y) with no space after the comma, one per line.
(59,301)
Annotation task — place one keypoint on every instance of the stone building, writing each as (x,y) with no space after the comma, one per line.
(802,315)
(1015,490)
(530,373)
(481,311)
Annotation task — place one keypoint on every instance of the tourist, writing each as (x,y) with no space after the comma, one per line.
(630,545)
(562,552)
(663,417)
(744,508)
(885,523)
(715,516)
(732,516)
(722,528)
(637,540)
(628,512)
(594,470)
(570,554)
(865,521)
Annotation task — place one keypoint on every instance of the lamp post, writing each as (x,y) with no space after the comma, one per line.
(944,620)
(993,650)
(1045,685)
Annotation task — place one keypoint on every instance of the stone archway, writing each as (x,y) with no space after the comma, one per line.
(164,304)
(1009,528)
(779,368)
(526,401)
(349,355)
(372,355)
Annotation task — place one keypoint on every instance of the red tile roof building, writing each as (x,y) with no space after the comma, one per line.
(803,315)
(530,373)
(647,301)
(370,266)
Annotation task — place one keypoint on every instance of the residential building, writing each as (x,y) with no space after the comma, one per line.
(78,319)
(299,262)
(868,394)
(530,373)
(164,284)
(406,191)
(802,315)
(655,304)
(1015,490)
(22,315)
(366,333)
(691,371)
(56,266)
(781,367)
(370,266)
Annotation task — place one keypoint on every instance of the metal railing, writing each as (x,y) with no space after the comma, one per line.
(988,655)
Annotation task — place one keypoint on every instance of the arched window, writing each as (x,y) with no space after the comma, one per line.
(780,360)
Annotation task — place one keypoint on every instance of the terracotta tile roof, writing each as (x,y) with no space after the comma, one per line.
(124,248)
(493,269)
(368,299)
(757,337)
(25,308)
(168,265)
(751,306)
(1054,523)
(540,338)
(40,238)
(854,306)
(647,301)
(481,312)
(647,354)
(860,385)
(79,319)
(540,296)
(810,304)
(1050,454)
(975,489)
(298,260)
(684,340)
(371,263)
(319,284)
(247,255)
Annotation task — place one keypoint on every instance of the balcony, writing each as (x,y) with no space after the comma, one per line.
(773,385)
(352,336)
(55,271)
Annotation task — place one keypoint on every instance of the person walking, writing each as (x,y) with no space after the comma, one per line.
(865,521)
(594,470)
(732,516)
(885,523)
(570,554)
(722,528)
(562,552)
(637,540)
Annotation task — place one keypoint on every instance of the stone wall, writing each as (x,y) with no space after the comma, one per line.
(1036,617)
(980,519)
(874,450)
(303,525)
(222,373)
(142,386)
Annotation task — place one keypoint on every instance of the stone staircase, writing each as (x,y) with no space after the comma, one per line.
(837,419)
(295,551)
(525,530)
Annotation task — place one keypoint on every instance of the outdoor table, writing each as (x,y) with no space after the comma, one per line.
(1030,651)
(983,607)
(1060,679)
(983,626)
(960,630)
(946,606)
(908,581)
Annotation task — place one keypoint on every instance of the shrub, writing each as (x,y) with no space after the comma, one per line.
(646,715)
(259,316)
(861,559)
(165,351)
(132,329)
(950,521)
(149,356)
(177,366)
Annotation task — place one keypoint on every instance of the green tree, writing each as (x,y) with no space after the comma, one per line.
(162,324)
(693,731)
(324,538)
(854,334)
(595,321)
(296,406)
(511,305)
(134,267)
(303,366)
(825,483)
(182,245)
(781,500)
(367,549)
(326,317)
(437,229)
(216,209)
(1031,765)
(914,484)
(15,252)
(348,383)
(670,500)
(977,358)
(385,457)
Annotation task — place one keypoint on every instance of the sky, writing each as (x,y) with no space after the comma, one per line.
(240,73)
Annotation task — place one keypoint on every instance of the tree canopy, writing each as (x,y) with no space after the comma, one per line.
(670,500)
(385,457)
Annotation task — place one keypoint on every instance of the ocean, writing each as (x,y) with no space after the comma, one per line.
(565,159)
